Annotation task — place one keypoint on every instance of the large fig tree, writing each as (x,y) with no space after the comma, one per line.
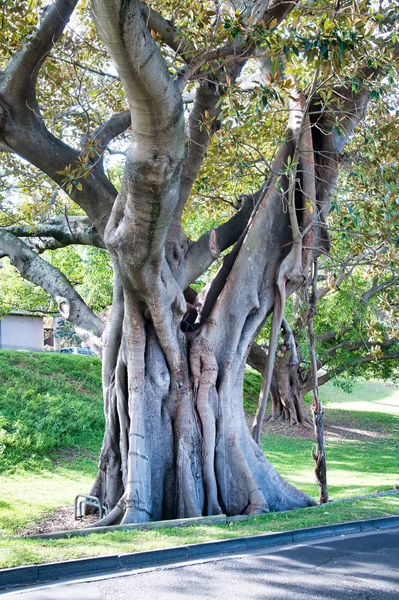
(176,442)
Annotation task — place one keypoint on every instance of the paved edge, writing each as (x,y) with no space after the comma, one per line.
(18,576)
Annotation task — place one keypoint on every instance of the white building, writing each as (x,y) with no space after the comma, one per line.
(21,331)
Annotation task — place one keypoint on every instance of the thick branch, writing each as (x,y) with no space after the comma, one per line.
(203,121)
(23,131)
(257,358)
(149,192)
(352,346)
(23,68)
(346,345)
(344,272)
(240,48)
(332,334)
(153,95)
(202,253)
(329,140)
(38,271)
(170,35)
(106,132)
(202,125)
(25,134)
(376,288)
(65,231)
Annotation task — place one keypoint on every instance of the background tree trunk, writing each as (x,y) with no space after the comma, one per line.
(289,383)
(287,392)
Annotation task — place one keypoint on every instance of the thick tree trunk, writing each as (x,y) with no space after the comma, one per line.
(176,442)
(174,447)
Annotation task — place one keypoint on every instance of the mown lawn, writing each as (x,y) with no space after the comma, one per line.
(51,425)
(49,403)
(357,463)
(16,552)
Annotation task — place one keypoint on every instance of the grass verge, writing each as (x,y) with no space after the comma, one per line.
(26,497)
(16,552)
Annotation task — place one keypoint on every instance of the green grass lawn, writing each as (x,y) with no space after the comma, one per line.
(362,440)
(16,552)
(51,425)
(48,403)
(362,460)
(26,497)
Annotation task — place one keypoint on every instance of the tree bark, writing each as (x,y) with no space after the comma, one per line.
(317,407)
(177,444)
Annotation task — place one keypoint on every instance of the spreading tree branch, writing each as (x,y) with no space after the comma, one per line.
(202,253)
(241,47)
(376,288)
(148,196)
(22,70)
(361,360)
(169,34)
(332,334)
(33,268)
(257,358)
(23,131)
(203,122)
(110,129)
(152,93)
(63,231)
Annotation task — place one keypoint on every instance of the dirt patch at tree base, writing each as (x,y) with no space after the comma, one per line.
(335,428)
(60,520)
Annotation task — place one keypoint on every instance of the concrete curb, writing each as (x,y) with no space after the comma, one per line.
(95,566)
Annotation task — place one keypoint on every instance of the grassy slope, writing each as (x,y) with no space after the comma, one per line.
(47,402)
(51,425)
(35,480)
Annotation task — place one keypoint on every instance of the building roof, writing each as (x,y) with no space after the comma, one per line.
(23,313)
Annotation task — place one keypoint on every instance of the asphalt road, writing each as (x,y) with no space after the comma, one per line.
(356,567)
